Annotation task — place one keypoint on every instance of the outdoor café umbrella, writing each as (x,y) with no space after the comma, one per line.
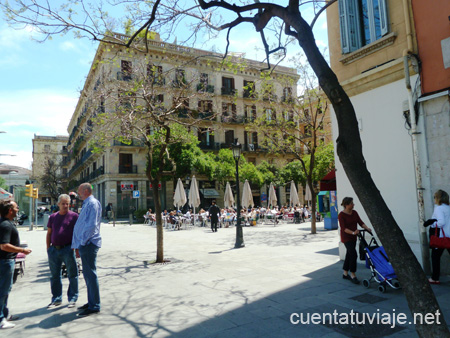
(272,200)
(293,199)
(247,197)
(179,199)
(194,195)
(228,198)
(308,193)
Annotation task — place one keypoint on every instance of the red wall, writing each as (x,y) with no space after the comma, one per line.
(432,24)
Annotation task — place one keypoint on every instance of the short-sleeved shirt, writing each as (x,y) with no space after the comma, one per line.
(62,227)
(350,222)
(8,235)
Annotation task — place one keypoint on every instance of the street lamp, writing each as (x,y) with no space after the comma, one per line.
(239,235)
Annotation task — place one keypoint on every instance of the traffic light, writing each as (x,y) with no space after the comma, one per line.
(35,193)
(29,190)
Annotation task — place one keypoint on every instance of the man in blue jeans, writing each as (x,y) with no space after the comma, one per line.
(9,248)
(86,239)
(59,250)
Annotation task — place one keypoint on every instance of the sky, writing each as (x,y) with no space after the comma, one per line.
(40,82)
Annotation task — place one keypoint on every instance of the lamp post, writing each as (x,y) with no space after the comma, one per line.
(239,235)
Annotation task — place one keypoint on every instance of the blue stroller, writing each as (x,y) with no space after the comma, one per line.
(377,261)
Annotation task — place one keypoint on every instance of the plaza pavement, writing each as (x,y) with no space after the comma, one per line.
(209,289)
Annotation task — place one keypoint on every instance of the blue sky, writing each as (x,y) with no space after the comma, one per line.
(40,82)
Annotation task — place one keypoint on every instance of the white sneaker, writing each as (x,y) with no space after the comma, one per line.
(4,324)
(71,304)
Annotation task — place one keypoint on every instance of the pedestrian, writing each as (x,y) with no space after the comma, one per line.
(59,250)
(87,240)
(213,212)
(108,210)
(440,223)
(9,248)
(348,221)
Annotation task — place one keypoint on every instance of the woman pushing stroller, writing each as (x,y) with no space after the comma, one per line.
(348,221)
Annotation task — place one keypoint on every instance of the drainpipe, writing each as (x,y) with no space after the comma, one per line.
(414,136)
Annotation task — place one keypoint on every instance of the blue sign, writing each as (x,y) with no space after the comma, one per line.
(263,197)
(136,194)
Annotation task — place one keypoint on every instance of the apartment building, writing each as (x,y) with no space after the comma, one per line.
(235,95)
(387,54)
(45,148)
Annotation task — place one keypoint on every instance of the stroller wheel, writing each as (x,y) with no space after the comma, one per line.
(396,283)
(366,283)
(381,288)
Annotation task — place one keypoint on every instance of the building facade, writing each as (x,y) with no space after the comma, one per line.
(236,96)
(45,149)
(376,51)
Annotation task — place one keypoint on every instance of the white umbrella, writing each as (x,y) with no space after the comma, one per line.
(228,198)
(194,195)
(179,199)
(308,196)
(247,197)
(272,200)
(293,199)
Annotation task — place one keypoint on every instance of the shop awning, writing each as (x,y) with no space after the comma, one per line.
(209,193)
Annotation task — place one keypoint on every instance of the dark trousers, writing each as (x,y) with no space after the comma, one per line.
(214,224)
(350,257)
(436,262)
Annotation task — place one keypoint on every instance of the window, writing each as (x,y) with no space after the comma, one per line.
(47,147)
(229,136)
(229,113)
(228,86)
(287,94)
(250,113)
(180,78)
(205,106)
(125,163)
(361,22)
(251,140)
(249,89)
(125,67)
(271,115)
(154,74)
(206,137)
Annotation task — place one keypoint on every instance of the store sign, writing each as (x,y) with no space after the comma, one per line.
(159,186)
(126,186)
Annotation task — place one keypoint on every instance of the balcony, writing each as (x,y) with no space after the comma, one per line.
(157,80)
(128,169)
(180,83)
(209,146)
(228,91)
(124,76)
(270,97)
(206,116)
(233,119)
(287,99)
(134,143)
(80,162)
(249,94)
(202,88)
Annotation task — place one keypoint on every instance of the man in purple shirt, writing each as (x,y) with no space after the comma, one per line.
(59,250)
(87,239)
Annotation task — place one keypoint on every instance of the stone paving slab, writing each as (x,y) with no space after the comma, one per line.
(208,289)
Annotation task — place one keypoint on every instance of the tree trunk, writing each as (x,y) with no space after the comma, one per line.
(159,223)
(313,211)
(419,295)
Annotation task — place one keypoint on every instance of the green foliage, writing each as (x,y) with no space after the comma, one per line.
(270,173)
(3,183)
(189,157)
(140,213)
(248,171)
(293,171)
(324,161)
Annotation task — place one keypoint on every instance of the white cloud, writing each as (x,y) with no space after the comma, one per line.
(67,46)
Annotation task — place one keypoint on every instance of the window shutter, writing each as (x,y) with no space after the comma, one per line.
(349,25)
(383,17)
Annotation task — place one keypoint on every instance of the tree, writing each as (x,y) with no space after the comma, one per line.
(141,109)
(3,183)
(296,128)
(52,181)
(287,20)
